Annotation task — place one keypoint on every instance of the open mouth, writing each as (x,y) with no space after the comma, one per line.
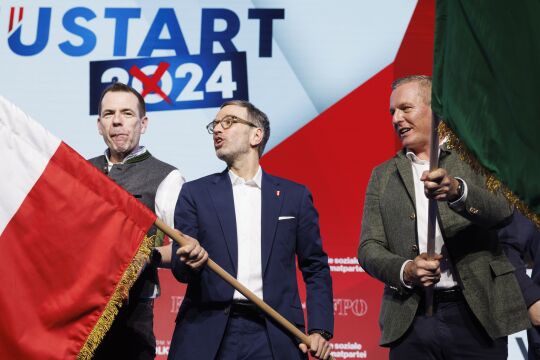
(403,131)
(218,142)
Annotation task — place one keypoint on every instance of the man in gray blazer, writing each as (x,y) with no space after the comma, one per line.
(477,301)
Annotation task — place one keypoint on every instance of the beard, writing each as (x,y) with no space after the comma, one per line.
(231,154)
(228,158)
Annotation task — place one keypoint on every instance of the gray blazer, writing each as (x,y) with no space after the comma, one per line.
(389,237)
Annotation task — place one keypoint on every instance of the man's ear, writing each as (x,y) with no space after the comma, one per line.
(144,124)
(257,137)
(99,127)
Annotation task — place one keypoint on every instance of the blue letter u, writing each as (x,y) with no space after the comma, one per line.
(42,36)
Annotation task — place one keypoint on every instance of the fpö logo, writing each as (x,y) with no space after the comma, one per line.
(350,307)
(182,81)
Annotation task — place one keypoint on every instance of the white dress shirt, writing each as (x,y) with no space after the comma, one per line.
(418,167)
(167,195)
(422,203)
(247,209)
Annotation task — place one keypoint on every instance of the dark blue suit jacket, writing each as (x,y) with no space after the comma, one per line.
(521,239)
(205,211)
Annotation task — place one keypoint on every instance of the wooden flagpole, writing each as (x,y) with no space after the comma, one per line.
(177,236)
(432,207)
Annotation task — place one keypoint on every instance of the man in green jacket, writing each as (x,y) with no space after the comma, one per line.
(477,301)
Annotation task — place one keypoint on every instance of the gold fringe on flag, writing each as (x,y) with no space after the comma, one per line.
(492,183)
(117,299)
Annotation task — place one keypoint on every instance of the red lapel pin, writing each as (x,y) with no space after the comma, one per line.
(278,192)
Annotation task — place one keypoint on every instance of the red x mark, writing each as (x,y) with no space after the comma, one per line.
(150,83)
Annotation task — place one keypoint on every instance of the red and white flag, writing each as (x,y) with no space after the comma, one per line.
(68,240)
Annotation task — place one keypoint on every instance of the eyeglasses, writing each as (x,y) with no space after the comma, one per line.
(227,122)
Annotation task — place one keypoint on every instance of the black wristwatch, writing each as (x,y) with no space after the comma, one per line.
(460,188)
(325,334)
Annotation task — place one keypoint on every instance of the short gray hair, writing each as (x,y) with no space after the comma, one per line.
(423,80)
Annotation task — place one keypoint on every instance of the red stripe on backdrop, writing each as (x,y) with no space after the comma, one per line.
(63,253)
(335,152)
(333,155)
(415,55)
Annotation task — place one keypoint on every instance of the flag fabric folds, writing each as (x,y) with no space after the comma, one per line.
(72,244)
(486,76)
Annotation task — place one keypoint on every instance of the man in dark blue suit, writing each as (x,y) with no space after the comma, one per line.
(255,226)
(521,240)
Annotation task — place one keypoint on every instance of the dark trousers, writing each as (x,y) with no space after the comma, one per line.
(452,332)
(533,337)
(245,337)
(131,336)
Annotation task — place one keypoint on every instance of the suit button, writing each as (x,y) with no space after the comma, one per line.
(414,248)
(473,210)
(412,216)
(227,310)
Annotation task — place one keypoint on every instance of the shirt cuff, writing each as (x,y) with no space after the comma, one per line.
(401,275)
(456,204)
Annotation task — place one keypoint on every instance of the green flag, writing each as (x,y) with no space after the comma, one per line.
(486,88)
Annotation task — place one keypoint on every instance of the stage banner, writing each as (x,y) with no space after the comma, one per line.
(320,69)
